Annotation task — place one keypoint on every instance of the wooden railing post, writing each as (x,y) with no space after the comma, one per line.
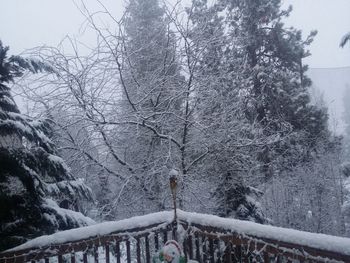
(148,252)
(95,251)
(266,257)
(238,253)
(85,257)
(107,253)
(128,252)
(138,250)
(156,241)
(228,252)
(198,252)
(211,251)
(204,248)
(117,251)
(165,236)
(174,230)
(190,247)
(217,249)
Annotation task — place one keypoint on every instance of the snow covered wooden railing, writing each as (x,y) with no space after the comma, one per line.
(205,238)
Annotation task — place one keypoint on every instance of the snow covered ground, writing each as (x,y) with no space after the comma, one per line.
(320,241)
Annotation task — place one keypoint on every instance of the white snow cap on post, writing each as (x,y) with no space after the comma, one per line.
(173,173)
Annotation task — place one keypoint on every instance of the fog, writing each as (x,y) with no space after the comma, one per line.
(329,64)
(332,82)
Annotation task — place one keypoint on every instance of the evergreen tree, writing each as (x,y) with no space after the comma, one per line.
(76,145)
(219,110)
(275,82)
(32,176)
(151,96)
(255,67)
(236,200)
(152,70)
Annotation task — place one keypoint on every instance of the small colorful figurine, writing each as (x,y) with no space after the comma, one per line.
(170,253)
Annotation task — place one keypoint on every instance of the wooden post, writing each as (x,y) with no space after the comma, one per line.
(156,241)
(117,251)
(228,252)
(165,236)
(190,247)
(96,254)
(198,252)
(204,249)
(173,187)
(211,251)
(85,257)
(238,253)
(218,249)
(138,250)
(107,254)
(266,257)
(128,253)
(148,253)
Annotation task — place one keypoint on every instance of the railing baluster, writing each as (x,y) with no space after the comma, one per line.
(246,255)
(198,253)
(174,231)
(96,254)
(190,246)
(148,253)
(85,257)
(204,249)
(138,250)
(107,253)
(165,237)
(266,257)
(238,253)
(228,253)
(47,260)
(185,249)
(156,241)
(117,251)
(128,254)
(218,250)
(72,257)
(60,259)
(211,250)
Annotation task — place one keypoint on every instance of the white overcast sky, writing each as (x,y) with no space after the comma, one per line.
(26,24)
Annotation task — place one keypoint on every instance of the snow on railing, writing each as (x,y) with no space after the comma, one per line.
(204,238)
